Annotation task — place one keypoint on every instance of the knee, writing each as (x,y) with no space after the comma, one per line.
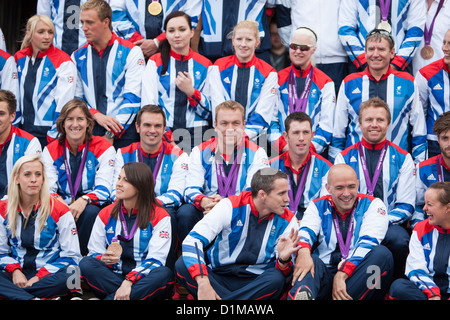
(88,265)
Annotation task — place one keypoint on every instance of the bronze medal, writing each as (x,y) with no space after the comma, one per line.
(155,8)
(427,52)
(384,25)
(115,248)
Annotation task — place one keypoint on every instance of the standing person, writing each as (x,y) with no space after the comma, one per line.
(169,165)
(14,142)
(139,226)
(307,171)
(322,17)
(434,169)
(436,25)
(141,21)
(306,88)
(219,167)
(47,79)
(340,237)
(279,54)
(434,91)
(8,75)
(80,167)
(428,259)
(385,171)
(246,79)
(240,228)
(405,20)
(396,88)
(109,75)
(175,79)
(38,237)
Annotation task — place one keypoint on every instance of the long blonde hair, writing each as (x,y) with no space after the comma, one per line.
(14,194)
(31,28)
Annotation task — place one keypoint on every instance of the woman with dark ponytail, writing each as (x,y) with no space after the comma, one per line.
(175,79)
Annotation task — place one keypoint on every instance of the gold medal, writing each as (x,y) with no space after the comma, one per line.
(427,52)
(384,25)
(155,8)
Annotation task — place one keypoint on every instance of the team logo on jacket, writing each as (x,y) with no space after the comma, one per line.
(382,211)
(70,79)
(141,62)
(14,75)
(164,234)
(74,231)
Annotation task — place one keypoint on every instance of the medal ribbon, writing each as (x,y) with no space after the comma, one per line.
(74,188)
(299,103)
(344,248)
(372,183)
(293,203)
(227,185)
(158,161)
(439,169)
(127,236)
(384,9)
(428,32)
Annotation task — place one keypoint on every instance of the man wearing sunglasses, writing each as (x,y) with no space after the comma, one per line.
(396,88)
(405,19)
(305,88)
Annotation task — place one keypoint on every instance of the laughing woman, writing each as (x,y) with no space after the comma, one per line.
(47,78)
(244,78)
(80,167)
(130,242)
(38,238)
(174,79)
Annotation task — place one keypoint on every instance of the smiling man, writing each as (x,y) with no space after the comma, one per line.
(385,171)
(339,237)
(396,88)
(253,236)
(219,167)
(306,170)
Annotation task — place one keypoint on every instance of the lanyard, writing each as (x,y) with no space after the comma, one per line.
(127,236)
(372,183)
(429,31)
(74,189)
(384,9)
(227,185)
(293,203)
(158,161)
(344,247)
(299,103)
(440,174)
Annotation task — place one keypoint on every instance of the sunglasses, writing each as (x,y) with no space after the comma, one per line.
(381,32)
(302,47)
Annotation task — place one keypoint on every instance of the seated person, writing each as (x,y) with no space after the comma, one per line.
(219,167)
(38,237)
(240,228)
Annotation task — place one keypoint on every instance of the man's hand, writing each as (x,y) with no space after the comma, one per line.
(207,203)
(303,264)
(77,207)
(148,47)
(340,287)
(205,291)
(287,246)
(107,122)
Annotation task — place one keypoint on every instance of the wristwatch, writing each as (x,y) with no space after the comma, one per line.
(85,197)
(284,261)
(110,134)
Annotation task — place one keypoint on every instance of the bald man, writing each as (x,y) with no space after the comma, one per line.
(344,230)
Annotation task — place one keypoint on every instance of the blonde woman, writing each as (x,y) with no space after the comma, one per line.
(244,78)
(47,78)
(38,237)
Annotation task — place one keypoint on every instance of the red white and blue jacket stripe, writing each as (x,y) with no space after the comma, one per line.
(434,90)
(320,107)
(429,258)
(129,16)
(201,178)
(398,90)
(242,241)
(9,79)
(426,175)
(16,145)
(98,172)
(397,175)
(52,249)
(171,178)
(370,225)
(147,250)
(315,181)
(55,84)
(160,89)
(357,18)
(124,68)
(261,90)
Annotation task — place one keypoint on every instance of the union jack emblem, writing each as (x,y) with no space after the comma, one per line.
(164,234)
